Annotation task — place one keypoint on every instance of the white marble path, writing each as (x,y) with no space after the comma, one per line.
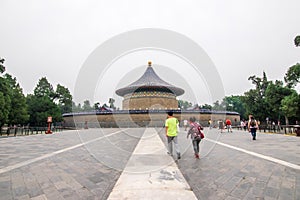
(151,173)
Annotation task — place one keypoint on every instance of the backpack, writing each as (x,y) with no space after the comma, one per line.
(197,131)
(252,123)
(228,122)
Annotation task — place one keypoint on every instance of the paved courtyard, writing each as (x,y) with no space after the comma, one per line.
(99,163)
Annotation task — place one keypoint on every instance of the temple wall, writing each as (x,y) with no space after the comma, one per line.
(144,119)
(146,105)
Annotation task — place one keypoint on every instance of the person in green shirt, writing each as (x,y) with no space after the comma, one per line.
(171,133)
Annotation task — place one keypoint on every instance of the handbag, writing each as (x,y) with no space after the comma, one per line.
(201,134)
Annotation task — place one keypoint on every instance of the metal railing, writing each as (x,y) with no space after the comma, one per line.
(282,129)
(19,131)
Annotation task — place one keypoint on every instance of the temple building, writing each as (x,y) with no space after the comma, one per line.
(145,103)
(150,92)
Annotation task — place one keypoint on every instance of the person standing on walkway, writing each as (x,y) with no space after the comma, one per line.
(210,123)
(228,125)
(252,126)
(242,124)
(185,124)
(221,125)
(195,132)
(246,125)
(171,133)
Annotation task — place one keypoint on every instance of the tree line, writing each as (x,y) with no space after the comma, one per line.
(268,101)
(34,109)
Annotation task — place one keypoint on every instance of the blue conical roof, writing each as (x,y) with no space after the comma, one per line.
(150,81)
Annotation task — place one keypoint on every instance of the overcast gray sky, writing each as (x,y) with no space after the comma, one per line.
(54,38)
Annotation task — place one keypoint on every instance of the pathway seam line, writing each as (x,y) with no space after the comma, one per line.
(30,161)
(269,158)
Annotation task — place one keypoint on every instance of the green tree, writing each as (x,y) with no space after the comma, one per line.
(87,106)
(182,104)
(292,77)
(40,108)
(261,84)
(231,103)
(76,108)
(275,93)
(206,106)
(41,104)
(44,88)
(64,98)
(254,99)
(297,41)
(5,101)
(18,110)
(4,107)
(217,105)
(290,106)
(235,103)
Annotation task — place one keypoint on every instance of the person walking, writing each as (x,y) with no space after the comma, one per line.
(252,126)
(171,133)
(195,132)
(185,124)
(242,124)
(210,123)
(246,125)
(228,125)
(221,125)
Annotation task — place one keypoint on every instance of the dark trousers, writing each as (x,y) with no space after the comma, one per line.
(196,145)
(253,133)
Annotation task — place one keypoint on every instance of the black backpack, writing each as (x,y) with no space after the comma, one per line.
(252,123)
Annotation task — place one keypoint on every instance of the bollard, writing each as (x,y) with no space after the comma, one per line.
(297,130)
(284,130)
(8,131)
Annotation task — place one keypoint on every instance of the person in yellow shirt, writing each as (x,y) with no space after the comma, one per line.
(171,133)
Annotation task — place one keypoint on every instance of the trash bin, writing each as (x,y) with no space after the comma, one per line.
(297,130)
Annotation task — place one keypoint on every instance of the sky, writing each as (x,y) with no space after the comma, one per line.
(53,39)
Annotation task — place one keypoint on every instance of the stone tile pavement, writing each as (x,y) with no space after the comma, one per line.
(87,171)
(225,173)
